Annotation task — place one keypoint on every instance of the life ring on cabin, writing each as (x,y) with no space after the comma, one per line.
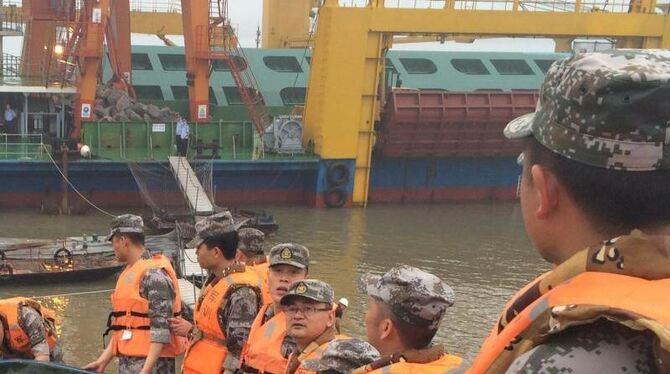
(335,197)
(337,174)
(6,269)
(61,259)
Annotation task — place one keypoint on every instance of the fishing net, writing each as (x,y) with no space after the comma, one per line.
(159,189)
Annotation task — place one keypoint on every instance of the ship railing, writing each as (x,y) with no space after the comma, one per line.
(11,18)
(22,147)
(156,6)
(579,6)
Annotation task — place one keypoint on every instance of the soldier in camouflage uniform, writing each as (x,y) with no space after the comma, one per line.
(311,320)
(405,308)
(269,346)
(596,166)
(239,287)
(343,356)
(156,286)
(34,325)
(251,246)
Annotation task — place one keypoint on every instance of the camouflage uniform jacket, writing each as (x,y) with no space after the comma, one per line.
(32,324)
(156,287)
(603,347)
(236,318)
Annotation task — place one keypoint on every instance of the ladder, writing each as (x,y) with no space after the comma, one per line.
(190,186)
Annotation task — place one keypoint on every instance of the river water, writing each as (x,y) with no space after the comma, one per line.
(481,250)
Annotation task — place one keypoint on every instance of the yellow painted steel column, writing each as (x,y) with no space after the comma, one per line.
(285,23)
(342,100)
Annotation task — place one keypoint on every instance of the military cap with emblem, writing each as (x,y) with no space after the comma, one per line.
(606,109)
(343,356)
(128,223)
(211,226)
(251,241)
(290,254)
(413,295)
(312,289)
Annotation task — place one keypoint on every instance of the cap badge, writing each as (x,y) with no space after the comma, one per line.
(301,288)
(286,254)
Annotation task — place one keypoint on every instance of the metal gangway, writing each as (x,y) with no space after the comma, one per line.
(190,186)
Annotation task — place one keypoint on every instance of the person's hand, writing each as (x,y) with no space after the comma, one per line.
(97,366)
(180,326)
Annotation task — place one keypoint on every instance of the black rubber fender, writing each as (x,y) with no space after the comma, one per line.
(335,197)
(337,174)
(63,260)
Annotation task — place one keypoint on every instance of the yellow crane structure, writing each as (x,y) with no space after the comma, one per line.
(347,67)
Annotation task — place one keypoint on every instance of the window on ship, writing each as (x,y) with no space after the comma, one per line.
(172,62)
(470,66)
(148,92)
(293,95)
(283,64)
(222,65)
(140,61)
(544,64)
(512,67)
(418,65)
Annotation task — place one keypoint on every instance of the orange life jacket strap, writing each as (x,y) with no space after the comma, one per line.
(252,370)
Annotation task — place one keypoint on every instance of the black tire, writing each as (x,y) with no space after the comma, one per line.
(61,259)
(337,174)
(335,197)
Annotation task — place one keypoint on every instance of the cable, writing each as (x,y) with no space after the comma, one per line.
(73,294)
(309,40)
(73,187)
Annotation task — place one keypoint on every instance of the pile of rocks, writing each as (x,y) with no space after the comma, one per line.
(115,105)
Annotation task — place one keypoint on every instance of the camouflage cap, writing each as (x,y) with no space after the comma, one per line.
(126,223)
(343,356)
(312,289)
(415,296)
(290,254)
(606,109)
(251,241)
(213,225)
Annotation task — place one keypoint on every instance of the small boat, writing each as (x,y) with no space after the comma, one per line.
(31,366)
(63,267)
(162,222)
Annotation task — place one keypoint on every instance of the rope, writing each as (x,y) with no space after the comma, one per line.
(309,40)
(73,294)
(73,187)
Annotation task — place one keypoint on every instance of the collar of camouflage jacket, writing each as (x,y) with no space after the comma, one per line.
(636,255)
(419,356)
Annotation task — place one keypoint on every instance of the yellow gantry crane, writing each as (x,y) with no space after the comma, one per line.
(347,65)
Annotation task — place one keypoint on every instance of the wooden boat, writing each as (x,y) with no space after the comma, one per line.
(31,366)
(62,267)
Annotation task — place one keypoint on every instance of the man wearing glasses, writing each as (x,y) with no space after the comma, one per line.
(268,346)
(308,305)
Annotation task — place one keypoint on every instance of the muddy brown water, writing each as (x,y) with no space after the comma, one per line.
(481,250)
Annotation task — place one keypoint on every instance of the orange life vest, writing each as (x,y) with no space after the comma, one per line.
(208,351)
(607,294)
(262,352)
(440,366)
(262,271)
(313,352)
(17,343)
(129,320)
